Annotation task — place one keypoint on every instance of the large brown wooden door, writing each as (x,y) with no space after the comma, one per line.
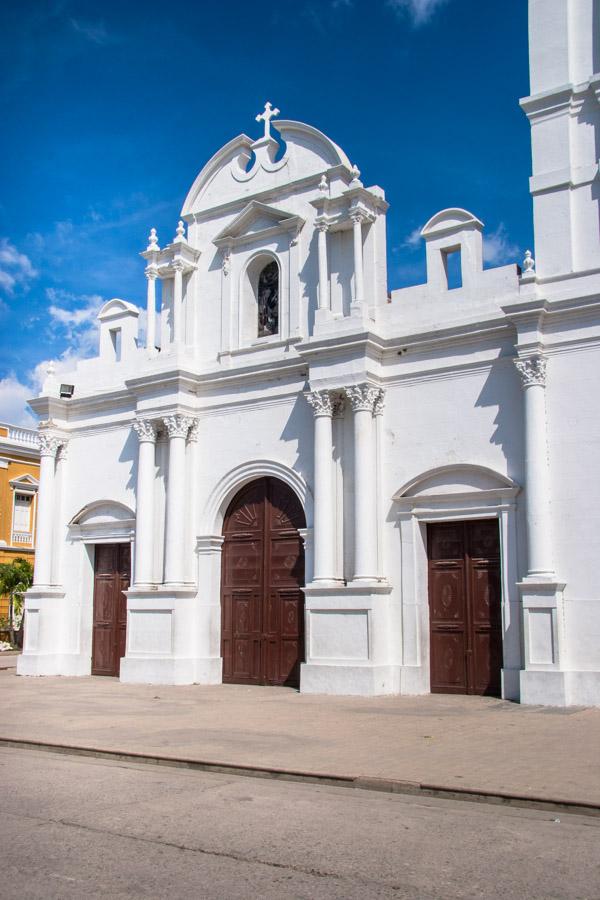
(112,567)
(465,619)
(262,621)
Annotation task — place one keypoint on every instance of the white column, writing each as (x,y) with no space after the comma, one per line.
(323,268)
(324,512)
(49,445)
(144,518)
(177,302)
(177,428)
(191,498)
(362,399)
(151,274)
(359,281)
(537,474)
(378,414)
(58,524)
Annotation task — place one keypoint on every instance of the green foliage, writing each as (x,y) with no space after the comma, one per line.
(16,577)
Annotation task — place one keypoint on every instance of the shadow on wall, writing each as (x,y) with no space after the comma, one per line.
(129,454)
(295,430)
(502,390)
(309,283)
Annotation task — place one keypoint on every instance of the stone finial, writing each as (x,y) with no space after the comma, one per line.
(180,232)
(153,240)
(266,117)
(355,175)
(323,184)
(528,267)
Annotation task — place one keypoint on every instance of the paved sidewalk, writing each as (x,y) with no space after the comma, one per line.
(460,742)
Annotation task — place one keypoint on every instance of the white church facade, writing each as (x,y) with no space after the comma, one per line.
(314,482)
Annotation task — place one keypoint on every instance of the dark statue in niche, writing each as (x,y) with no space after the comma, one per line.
(268,300)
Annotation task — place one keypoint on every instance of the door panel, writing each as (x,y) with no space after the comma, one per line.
(262,641)
(465,607)
(112,565)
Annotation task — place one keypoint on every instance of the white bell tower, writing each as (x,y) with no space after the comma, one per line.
(564,113)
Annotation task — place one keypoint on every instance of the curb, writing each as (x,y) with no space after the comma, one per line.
(361,782)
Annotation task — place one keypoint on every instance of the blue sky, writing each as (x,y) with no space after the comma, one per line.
(109,110)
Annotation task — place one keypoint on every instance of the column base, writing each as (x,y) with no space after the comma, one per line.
(347,628)
(541,600)
(168,632)
(322,316)
(363,680)
(562,688)
(65,664)
(171,670)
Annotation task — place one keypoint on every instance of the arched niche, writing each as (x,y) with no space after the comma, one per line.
(261,274)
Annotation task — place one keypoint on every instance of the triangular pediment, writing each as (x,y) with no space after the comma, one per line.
(254,219)
(24,481)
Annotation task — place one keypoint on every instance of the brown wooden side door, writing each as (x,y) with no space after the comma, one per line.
(465,617)
(283,609)
(112,568)
(262,624)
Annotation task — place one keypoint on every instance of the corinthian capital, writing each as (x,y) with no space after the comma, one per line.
(532,371)
(362,397)
(177,426)
(379,403)
(321,402)
(145,430)
(194,431)
(49,444)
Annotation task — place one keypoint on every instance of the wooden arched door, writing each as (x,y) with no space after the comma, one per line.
(262,602)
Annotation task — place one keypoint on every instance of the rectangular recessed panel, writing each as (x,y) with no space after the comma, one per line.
(32,629)
(339,634)
(448,670)
(243,563)
(150,631)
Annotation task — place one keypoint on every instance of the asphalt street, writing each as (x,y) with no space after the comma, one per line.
(75,827)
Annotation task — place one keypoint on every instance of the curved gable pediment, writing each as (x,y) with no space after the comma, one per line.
(227,177)
(101,512)
(455,479)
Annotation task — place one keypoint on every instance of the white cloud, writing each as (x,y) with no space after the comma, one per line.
(498,248)
(413,240)
(93,31)
(16,269)
(13,402)
(419,11)
(74,319)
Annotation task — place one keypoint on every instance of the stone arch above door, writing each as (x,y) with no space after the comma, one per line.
(229,485)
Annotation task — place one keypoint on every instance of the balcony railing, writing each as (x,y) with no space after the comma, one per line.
(21,537)
(26,437)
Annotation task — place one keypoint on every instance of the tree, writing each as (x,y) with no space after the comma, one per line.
(16,577)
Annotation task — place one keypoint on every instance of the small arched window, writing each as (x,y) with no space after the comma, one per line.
(268,300)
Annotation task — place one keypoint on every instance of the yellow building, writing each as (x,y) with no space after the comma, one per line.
(19,476)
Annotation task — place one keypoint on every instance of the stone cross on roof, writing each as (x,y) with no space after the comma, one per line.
(266,117)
